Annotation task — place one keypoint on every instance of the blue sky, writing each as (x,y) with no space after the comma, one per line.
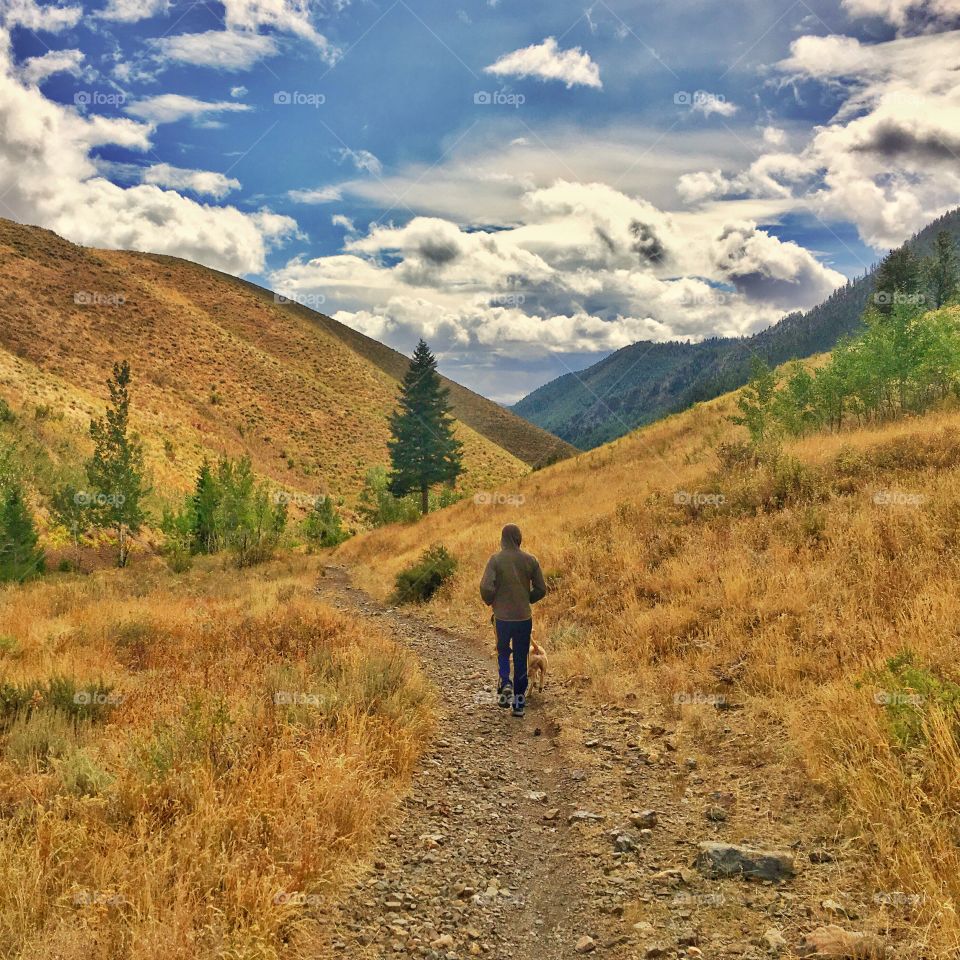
(529,185)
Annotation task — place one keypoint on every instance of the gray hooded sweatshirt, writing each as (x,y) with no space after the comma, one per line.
(513,579)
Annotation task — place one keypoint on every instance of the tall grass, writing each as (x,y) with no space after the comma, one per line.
(791,585)
(227,749)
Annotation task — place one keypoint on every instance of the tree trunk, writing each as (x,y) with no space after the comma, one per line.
(424,500)
(122,540)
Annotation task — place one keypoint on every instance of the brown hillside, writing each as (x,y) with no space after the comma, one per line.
(219,367)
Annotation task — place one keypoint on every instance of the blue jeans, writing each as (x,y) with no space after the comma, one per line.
(513,636)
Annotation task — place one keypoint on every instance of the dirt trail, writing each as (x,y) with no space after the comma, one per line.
(489,858)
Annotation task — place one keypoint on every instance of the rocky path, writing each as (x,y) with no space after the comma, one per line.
(578,831)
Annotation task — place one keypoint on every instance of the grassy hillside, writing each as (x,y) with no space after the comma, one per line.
(645,381)
(817,591)
(218,367)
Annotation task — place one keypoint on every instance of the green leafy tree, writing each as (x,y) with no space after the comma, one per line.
(178,528)
(377,506)
(323,526)
(942,276)
(235,520)
(423,449)
(116,469)
(206,503)
(755,403)
(69,509)
(795,406)
(246,522)
(20,555)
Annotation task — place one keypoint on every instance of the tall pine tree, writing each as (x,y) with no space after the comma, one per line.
(942,270)
(116,469)
(20,557)
(897,281)
(206,502)
(423,449)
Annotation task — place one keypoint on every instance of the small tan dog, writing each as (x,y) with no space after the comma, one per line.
(537,665)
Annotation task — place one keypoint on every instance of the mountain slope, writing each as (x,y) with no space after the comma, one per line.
(645,381)
(218,367)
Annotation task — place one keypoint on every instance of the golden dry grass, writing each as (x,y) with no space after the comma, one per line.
(790,597)
(199,817)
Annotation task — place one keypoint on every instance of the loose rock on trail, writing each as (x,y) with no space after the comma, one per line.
(574,831)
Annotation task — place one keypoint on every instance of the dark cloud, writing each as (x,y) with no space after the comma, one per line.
(894,141)
(646,243)
(438,251)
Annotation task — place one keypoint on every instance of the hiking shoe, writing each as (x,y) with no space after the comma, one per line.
(517,710)
(505,695)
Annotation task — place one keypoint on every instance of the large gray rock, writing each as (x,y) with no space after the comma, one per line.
(729,860)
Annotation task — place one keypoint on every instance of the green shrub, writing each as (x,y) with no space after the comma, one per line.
(9,646)
(377,506)
(6,414)
(323,526)
(36,738)
(81,775)
(908,693)
(80,701)
(419,583)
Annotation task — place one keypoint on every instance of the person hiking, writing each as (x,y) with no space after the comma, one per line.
(511,582)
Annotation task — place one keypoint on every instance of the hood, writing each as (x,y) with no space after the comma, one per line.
(510,537)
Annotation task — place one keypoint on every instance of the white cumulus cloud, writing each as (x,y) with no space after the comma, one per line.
(170,107)
(222,49)
(197,181)
(49,177)
(546,61)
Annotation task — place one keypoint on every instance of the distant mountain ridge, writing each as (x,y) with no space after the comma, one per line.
(646,381)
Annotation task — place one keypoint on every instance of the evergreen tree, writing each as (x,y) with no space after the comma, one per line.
(116,469)
(423,449)
(897,281)
(206,502)
(942,270)
(20,556)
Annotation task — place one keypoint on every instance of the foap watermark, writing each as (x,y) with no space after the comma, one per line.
(88,498)
(684,498)
(89,298)
(898,498)
(897,898)
(94,898)
(296,698)
(499,98)
(298,98)
(495,498)
(699,98)
(706,298)
(99,98)
(898,298)
(311,300)
(97,698)
(694,900)
(885,698)
(696,698)
(297,898)
(305,500)
(508,300)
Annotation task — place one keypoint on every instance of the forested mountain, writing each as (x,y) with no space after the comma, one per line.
(645,381)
